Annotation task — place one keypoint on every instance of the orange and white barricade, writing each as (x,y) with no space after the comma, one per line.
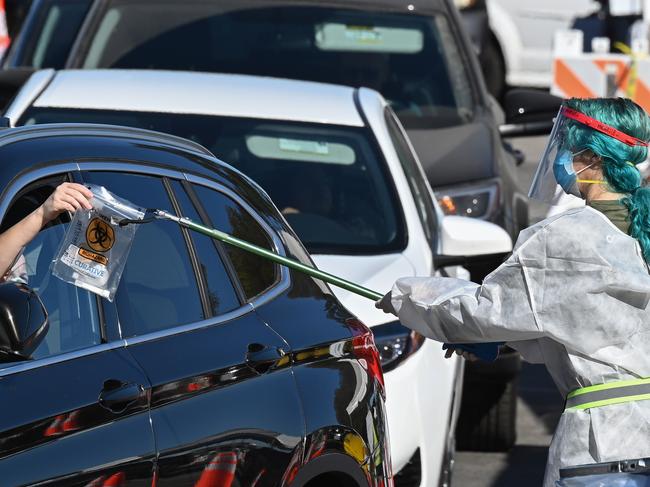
(589,75)
(4,32)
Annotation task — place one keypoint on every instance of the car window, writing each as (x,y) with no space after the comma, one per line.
(412,59)
(222,296)
(73,312)
(330,182)
(54,32)
(158,289)
(415,177)
(256,274)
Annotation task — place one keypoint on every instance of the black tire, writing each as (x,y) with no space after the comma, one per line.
(494,68)
(488,416)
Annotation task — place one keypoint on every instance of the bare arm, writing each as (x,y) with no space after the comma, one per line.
(66,197)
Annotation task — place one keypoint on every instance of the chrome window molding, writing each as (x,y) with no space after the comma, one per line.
(177,330)
(25,179)
(18,367)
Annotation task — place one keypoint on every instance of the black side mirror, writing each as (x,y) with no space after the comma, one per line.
(529,112)
(23,322)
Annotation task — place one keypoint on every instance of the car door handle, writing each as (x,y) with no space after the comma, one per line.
(117,396)
(261,358)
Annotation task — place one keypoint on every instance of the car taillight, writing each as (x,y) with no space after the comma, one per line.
(364,348)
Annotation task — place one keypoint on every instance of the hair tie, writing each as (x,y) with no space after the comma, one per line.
(631,164)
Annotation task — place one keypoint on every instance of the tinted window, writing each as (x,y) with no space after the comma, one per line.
(415,177)
(54,33)
(413,60)
(330,183)
(221,294)
(158,288)
(255,273)
(73,315)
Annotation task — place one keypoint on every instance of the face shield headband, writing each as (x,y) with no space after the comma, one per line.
(601,127)
(555,176)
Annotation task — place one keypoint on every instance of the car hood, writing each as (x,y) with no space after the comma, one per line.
(448,158)
(376,272)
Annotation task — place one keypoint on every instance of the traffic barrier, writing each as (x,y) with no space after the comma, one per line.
(602,75)
(4,32)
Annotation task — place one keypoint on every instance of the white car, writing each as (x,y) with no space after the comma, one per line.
(336,162)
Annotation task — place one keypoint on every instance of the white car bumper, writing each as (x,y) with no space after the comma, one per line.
(419,396)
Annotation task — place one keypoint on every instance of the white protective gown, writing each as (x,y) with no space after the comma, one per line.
(575,295)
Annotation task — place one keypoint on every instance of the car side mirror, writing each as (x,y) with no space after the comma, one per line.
(529,112)
(23,322)
(467,240)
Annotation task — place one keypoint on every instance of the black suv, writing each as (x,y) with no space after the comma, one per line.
(212,367)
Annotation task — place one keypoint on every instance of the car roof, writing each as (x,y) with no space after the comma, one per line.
(202,93)
(31,149)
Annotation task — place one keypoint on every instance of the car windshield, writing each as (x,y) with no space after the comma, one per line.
(329,182)
(413,60)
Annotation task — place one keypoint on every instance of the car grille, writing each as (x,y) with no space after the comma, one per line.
(411,474)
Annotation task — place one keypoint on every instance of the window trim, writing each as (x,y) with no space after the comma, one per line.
(219,248)
(26,178)
(201,285)
(282,283)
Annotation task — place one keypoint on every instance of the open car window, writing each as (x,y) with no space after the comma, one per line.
(72,312)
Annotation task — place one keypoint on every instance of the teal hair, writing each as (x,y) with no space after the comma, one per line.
(619,159)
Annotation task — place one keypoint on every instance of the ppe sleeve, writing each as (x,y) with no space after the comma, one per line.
(457,311)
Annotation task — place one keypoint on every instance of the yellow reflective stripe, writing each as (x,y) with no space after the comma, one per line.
(608,385)
(608,402)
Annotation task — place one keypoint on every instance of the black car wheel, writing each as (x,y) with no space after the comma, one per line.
(488,413)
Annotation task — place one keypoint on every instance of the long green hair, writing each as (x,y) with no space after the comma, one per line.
(619,159)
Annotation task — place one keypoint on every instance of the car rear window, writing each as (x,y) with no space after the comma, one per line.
(330,183)
(413,60)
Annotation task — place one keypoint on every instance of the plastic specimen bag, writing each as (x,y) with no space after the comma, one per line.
(95,247)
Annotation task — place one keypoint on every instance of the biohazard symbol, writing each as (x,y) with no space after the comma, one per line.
(100,235)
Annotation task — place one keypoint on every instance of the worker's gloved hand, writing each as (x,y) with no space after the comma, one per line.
(473,351)
(386,305)
(463,353)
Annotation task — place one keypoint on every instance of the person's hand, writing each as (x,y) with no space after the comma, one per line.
(66,197)
(386,305)
(466,355)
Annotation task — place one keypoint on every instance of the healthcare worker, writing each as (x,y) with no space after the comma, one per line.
(574,294)
(66,197)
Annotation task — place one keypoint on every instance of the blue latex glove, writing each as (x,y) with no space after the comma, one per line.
(485,351)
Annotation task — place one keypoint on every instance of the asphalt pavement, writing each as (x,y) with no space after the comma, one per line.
(539,405)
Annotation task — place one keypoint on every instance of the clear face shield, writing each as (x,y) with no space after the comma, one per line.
(570,136)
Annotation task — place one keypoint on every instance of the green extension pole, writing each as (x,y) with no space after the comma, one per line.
(267,254)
